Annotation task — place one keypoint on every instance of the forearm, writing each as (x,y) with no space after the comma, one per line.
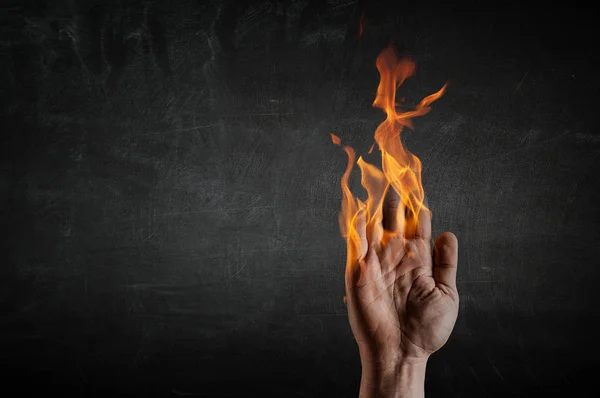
(402,379)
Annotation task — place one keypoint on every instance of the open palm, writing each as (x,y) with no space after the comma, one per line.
(402,298)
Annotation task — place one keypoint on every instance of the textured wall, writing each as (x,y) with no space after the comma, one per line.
(170,192)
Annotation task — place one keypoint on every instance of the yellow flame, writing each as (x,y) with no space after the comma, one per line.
(400,169)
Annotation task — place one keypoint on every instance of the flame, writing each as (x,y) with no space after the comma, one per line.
(361,26)
(400,169)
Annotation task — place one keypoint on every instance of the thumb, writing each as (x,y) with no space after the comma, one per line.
(445,260)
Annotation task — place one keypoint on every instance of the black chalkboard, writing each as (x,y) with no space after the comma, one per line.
(170,192)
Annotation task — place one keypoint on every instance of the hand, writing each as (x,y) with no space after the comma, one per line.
(402,304)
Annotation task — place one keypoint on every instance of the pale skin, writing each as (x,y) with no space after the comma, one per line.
(402,304)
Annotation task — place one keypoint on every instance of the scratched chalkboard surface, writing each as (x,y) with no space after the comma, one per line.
(170,192)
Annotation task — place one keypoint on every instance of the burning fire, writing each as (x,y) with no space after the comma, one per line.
(400,169)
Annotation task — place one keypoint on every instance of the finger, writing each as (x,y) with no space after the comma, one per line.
(393,211)
(364,277)
(369,269)
(423,228)
(419,226)
(360,223)
(445,260)
(358,246)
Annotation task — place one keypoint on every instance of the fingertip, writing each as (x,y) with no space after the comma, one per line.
(393,215)
(447,239)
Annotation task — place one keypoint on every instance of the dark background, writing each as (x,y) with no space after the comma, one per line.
(169,192)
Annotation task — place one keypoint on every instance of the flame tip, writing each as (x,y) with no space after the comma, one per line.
(335,139)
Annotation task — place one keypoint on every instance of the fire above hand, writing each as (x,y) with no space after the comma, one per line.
(400,169)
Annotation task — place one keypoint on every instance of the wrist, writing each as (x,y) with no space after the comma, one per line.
(400,377)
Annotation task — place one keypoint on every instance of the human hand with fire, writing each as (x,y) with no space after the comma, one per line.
(400,286)
(402,300)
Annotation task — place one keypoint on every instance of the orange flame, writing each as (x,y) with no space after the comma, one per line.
(361,26)
(400,169)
